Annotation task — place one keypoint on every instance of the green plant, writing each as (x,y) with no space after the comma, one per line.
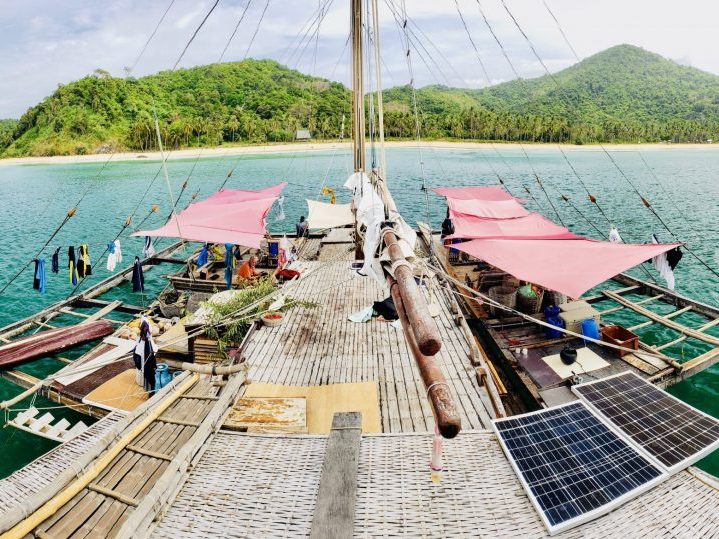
(230,320)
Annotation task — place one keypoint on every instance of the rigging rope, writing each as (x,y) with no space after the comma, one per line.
(152,35)
(644,201)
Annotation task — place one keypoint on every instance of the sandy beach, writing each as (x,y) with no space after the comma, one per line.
(226,151)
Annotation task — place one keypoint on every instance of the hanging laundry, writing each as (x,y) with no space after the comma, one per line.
(674,256)
(118,251)
(138,279)
(614,236)
(39,280)
(661,264)
(202,257)
(72,265)
(84,269)
(148,250)
(280,208)
(111,257)
(56,261)
(229,264)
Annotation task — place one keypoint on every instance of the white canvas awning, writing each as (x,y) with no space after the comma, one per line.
(323,215)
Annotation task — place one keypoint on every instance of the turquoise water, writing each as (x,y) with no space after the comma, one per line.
(36,198)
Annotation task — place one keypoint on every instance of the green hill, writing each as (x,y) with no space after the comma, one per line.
(621,94)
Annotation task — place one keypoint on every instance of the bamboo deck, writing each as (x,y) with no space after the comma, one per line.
(272,491)
(321,346)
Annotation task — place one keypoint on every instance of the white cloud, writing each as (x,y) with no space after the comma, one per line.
(46,42)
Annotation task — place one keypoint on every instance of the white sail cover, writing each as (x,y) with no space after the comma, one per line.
(324,215)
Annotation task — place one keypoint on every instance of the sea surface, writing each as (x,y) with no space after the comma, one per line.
(682,186)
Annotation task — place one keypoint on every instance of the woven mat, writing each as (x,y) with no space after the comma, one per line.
(324,401)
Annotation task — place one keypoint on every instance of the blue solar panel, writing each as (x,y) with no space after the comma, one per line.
(671,431)
(572,465)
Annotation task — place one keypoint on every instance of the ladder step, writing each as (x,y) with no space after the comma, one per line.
(119,496)
(182,422)
(200,397)
(677,313)
(148,453)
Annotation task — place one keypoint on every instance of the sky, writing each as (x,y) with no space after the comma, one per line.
(44,43)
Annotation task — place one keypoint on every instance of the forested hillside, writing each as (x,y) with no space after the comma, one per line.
(623,94)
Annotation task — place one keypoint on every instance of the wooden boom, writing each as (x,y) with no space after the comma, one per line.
(445,411)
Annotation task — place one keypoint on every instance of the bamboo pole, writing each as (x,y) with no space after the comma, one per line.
(27,526)
(445,411)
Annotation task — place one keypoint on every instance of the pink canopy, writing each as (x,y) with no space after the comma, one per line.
(230,216)
(491,192)
(491,209)
(533,226)
(570,266)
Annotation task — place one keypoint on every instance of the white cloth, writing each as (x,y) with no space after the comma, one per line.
(149,250)
(324,215)
(114,258)
(365,315)
(661,264)
(280,208)
(614,236)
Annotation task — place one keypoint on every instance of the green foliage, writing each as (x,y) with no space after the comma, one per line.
(230,320)
(623,94)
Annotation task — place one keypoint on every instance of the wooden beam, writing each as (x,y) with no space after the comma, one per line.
(148,453)
(700,363)
(107,309)
(640,326)
(123,308)
(119,496)
(182,422)
(677,312)
(670,343)
(649,300)
(334,514)
(709,325)
(664,321)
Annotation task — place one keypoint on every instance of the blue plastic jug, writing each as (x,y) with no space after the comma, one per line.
(590,329)
(551,314)
(162,376)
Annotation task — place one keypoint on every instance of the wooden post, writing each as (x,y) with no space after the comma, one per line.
(445,411)
(358,128)
(420,323)
(335,509)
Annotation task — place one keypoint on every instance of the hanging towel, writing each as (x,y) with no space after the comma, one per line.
(40,279)
(614,236)
(202,257)
(138,279)
(72,265)
(229,264)
(281,208)
(674,256)
(149,250)
(56,261)
(118,251)
(111,257)
(661,264)
(84,269)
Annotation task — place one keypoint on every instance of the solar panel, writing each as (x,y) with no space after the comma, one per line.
(669,430)
(573,467)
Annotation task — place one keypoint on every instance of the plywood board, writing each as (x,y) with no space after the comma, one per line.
(587,361)
(268,414)
(118,393)
(324,401)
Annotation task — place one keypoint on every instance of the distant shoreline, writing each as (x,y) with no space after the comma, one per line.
(265,149)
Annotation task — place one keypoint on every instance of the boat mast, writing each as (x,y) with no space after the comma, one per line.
(358,121)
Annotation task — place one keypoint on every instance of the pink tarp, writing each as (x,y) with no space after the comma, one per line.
(568,266)
(490,192)
(491,209)
(533,226)
(230,216)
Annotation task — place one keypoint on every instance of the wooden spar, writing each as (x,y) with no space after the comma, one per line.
(445,412)
(421,325)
